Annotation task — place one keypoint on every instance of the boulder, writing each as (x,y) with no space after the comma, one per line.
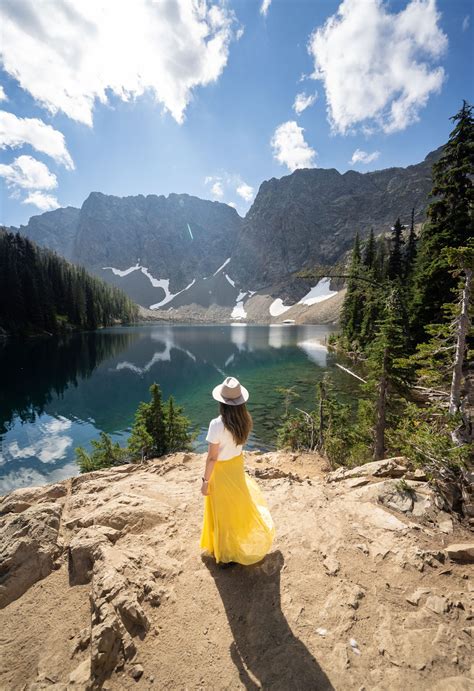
(28,548)
(462,551)
(388,467)
(81,676)
(84,549)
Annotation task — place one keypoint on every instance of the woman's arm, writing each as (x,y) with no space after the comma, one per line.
(213,450)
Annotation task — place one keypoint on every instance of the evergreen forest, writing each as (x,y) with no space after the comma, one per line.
(42,293)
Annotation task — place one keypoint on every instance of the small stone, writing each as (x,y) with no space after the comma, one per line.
(437,604)
(136,672)
(415,597)
(363,547)
(356,595)
(446,525)
(357,482)
(321,631)
(331,565)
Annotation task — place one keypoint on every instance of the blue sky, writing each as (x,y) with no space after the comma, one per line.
(176,96)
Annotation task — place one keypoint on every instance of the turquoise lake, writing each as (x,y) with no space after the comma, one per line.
(59,393)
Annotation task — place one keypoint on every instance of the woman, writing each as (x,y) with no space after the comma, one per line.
(237,526)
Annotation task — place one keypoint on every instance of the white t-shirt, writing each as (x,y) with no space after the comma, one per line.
(218,434)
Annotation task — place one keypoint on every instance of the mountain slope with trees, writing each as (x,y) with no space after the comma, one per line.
(407,322)
(43,293)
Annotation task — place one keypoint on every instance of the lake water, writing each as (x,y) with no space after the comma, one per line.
(59,393)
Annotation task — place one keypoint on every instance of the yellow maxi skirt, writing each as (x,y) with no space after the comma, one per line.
(237,524)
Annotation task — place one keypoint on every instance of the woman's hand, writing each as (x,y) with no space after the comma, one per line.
(213,450)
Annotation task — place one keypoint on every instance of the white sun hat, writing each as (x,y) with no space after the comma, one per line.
(231,392)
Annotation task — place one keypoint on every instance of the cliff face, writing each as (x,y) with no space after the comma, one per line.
(311,216)
(178,238)
(162,250)
(55,230)
(102,583)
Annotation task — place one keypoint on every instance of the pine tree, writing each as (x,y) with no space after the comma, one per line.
(388,373)
(178,437)
(369,251)
(105,454)
(380,263)
(410,249)
(352,308)
(450,223)
(148,436)
(395,259)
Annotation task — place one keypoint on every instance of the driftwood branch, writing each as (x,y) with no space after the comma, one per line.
(349,372)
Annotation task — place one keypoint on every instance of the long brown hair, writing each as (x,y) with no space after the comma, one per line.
(237,420)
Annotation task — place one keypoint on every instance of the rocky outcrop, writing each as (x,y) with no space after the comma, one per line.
(310,217)
(359,591)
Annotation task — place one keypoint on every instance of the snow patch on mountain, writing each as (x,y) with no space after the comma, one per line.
(169,296)
(221,267)
(125,272)
(277,307)
(238,312)
(318,293)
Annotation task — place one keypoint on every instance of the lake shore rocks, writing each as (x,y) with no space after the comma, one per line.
(103,584)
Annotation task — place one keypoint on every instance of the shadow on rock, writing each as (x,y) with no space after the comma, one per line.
(265,651)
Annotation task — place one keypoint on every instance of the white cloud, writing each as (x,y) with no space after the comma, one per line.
(232,204)
(360,156)
(290,148)
(264,7)
(226,184)
(15,132)
(303,101)
(3,96)
(217,190)
(44,202)
(28,173)
(68,55)
(377,66)
(465,22)
(245,191)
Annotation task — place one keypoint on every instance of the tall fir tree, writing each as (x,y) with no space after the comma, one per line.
(389,374)
(148,436)
(369,251)
(410,249)
(352,309)
(396,251)
(178,437)
(450,223)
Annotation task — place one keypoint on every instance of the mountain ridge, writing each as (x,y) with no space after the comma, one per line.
(163,250)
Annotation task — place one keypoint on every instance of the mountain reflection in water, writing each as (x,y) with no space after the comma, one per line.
(59,393)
